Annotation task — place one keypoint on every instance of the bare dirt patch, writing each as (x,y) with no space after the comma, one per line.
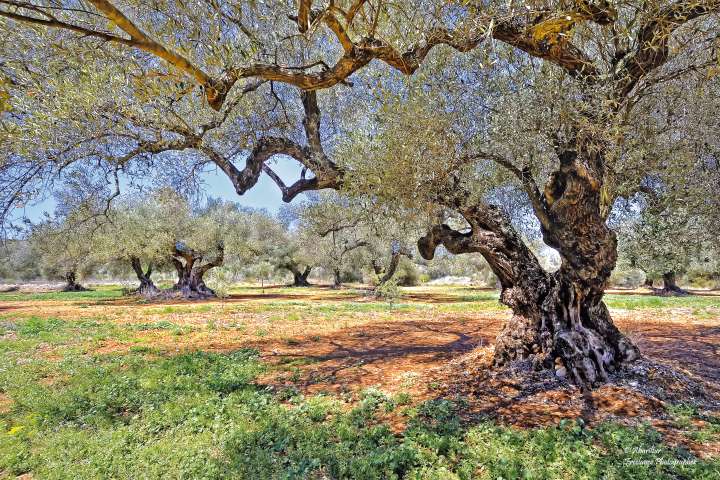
(394,356)
(5,403)
(427,350)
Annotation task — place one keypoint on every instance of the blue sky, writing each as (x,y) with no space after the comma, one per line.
(265,194)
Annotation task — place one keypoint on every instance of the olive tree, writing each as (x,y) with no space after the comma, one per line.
(64,248)
(142,231)
(290,247)
(558,98)
(662,243)
(220,231)
(333,226)
(17,261)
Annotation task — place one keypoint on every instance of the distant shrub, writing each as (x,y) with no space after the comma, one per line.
(627,278)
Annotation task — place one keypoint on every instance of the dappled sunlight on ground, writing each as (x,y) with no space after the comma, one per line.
(432,342)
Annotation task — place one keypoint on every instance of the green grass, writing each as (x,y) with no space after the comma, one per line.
(97,293)
(201,416)
(144,413)
(180,309)
(632,302)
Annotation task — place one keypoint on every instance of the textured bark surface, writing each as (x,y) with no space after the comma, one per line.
(559,319)
(191,267)
(337,279)
(71,284)
(396,254)
(147,287)
(300,277)
(670,286)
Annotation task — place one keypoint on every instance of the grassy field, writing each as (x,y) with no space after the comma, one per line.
(319,383)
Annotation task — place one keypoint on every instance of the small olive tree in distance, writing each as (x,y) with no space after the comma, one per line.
(218,232)
(334,226)
(64,248)
(290,247)
(662,243)
(163,230)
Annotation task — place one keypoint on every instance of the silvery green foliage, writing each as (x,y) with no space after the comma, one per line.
(661,240)
(94,97)
(151,227)
(66,244)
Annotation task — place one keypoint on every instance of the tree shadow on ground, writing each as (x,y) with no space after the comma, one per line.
(391,355)
(452,358)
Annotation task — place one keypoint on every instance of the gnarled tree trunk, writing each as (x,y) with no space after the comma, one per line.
(191,270)
(396,253)
(337,278)
(300,277)
(147,287)
(670,286)
(71,284)
(559,318)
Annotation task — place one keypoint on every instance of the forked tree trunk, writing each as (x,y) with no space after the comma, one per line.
(559,319)
(147,287)
(71,284)
(300,277)
(190,282)
(191,270)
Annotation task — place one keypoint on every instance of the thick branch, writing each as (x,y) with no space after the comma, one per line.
(492,235)
(454,242)
(529,185)
(148,44)
(352,246)
(327,174)
(652,49)
(546,37)
(216,262)
(304,15)
(300,186)
(138,39)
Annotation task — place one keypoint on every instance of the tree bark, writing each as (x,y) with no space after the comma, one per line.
(300,278)
(670,286)
(147,287)
(191,270)
(559,319)
(397,252)
(71,284)
(337,278)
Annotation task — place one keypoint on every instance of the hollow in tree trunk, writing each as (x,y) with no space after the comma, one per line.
(191,267)
(147,287)
(558,319)
(71,284)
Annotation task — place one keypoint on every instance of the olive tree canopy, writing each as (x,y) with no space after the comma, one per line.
(432,105)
